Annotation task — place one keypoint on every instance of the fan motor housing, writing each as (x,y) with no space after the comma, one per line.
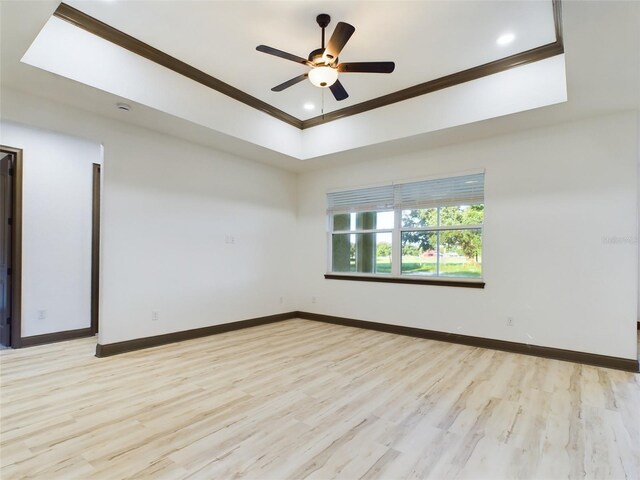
(315,57)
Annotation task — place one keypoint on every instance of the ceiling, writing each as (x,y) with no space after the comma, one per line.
(601,43)
(426,40)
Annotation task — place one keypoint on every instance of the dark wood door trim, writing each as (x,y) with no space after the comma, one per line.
(16,247)
(17,340)
(111,34)
(7,162)
(95,249)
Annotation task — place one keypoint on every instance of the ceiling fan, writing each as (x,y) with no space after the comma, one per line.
(324,61)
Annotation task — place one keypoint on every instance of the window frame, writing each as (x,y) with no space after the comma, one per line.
(331,233)
(396,275)
(437,229)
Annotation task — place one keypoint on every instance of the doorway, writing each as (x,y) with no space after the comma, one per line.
(6,205)
(11,196)
(10,245)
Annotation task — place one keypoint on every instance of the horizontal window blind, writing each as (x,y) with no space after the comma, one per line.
(460,190)
(373,198)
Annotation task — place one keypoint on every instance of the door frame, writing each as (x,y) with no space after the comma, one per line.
(95,247)
(16,246)
(17,340)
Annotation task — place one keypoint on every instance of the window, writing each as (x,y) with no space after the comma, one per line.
(417,230)
(361,242)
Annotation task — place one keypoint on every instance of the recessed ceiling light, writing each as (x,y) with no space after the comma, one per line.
(309,106)
(505,39)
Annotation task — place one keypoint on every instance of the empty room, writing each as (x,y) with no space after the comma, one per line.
(303,239)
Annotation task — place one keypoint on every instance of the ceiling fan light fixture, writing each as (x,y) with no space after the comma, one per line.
(323,77)
(324,61)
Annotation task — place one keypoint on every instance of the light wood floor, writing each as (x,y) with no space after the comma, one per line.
(302,399)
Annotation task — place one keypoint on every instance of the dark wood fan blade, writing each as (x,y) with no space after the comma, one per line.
(338,40)
(281,54)
(289,83)
(367,67)
(338,91)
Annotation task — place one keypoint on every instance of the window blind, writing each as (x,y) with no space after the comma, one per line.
(363,199)
(460,190)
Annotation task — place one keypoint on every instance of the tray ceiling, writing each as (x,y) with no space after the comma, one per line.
(426,40)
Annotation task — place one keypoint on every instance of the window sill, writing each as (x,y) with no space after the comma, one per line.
(449,282)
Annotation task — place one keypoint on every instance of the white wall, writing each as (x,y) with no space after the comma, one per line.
(553,196)
(56,263)
(554,199)
(167,208)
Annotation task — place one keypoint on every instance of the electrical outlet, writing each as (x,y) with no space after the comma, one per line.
(509,321)
(155,316)
(42,314)
(313,299)
(281,299)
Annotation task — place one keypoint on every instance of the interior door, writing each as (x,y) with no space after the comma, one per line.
(6,207)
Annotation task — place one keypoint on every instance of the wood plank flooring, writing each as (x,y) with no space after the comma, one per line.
(301,399)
